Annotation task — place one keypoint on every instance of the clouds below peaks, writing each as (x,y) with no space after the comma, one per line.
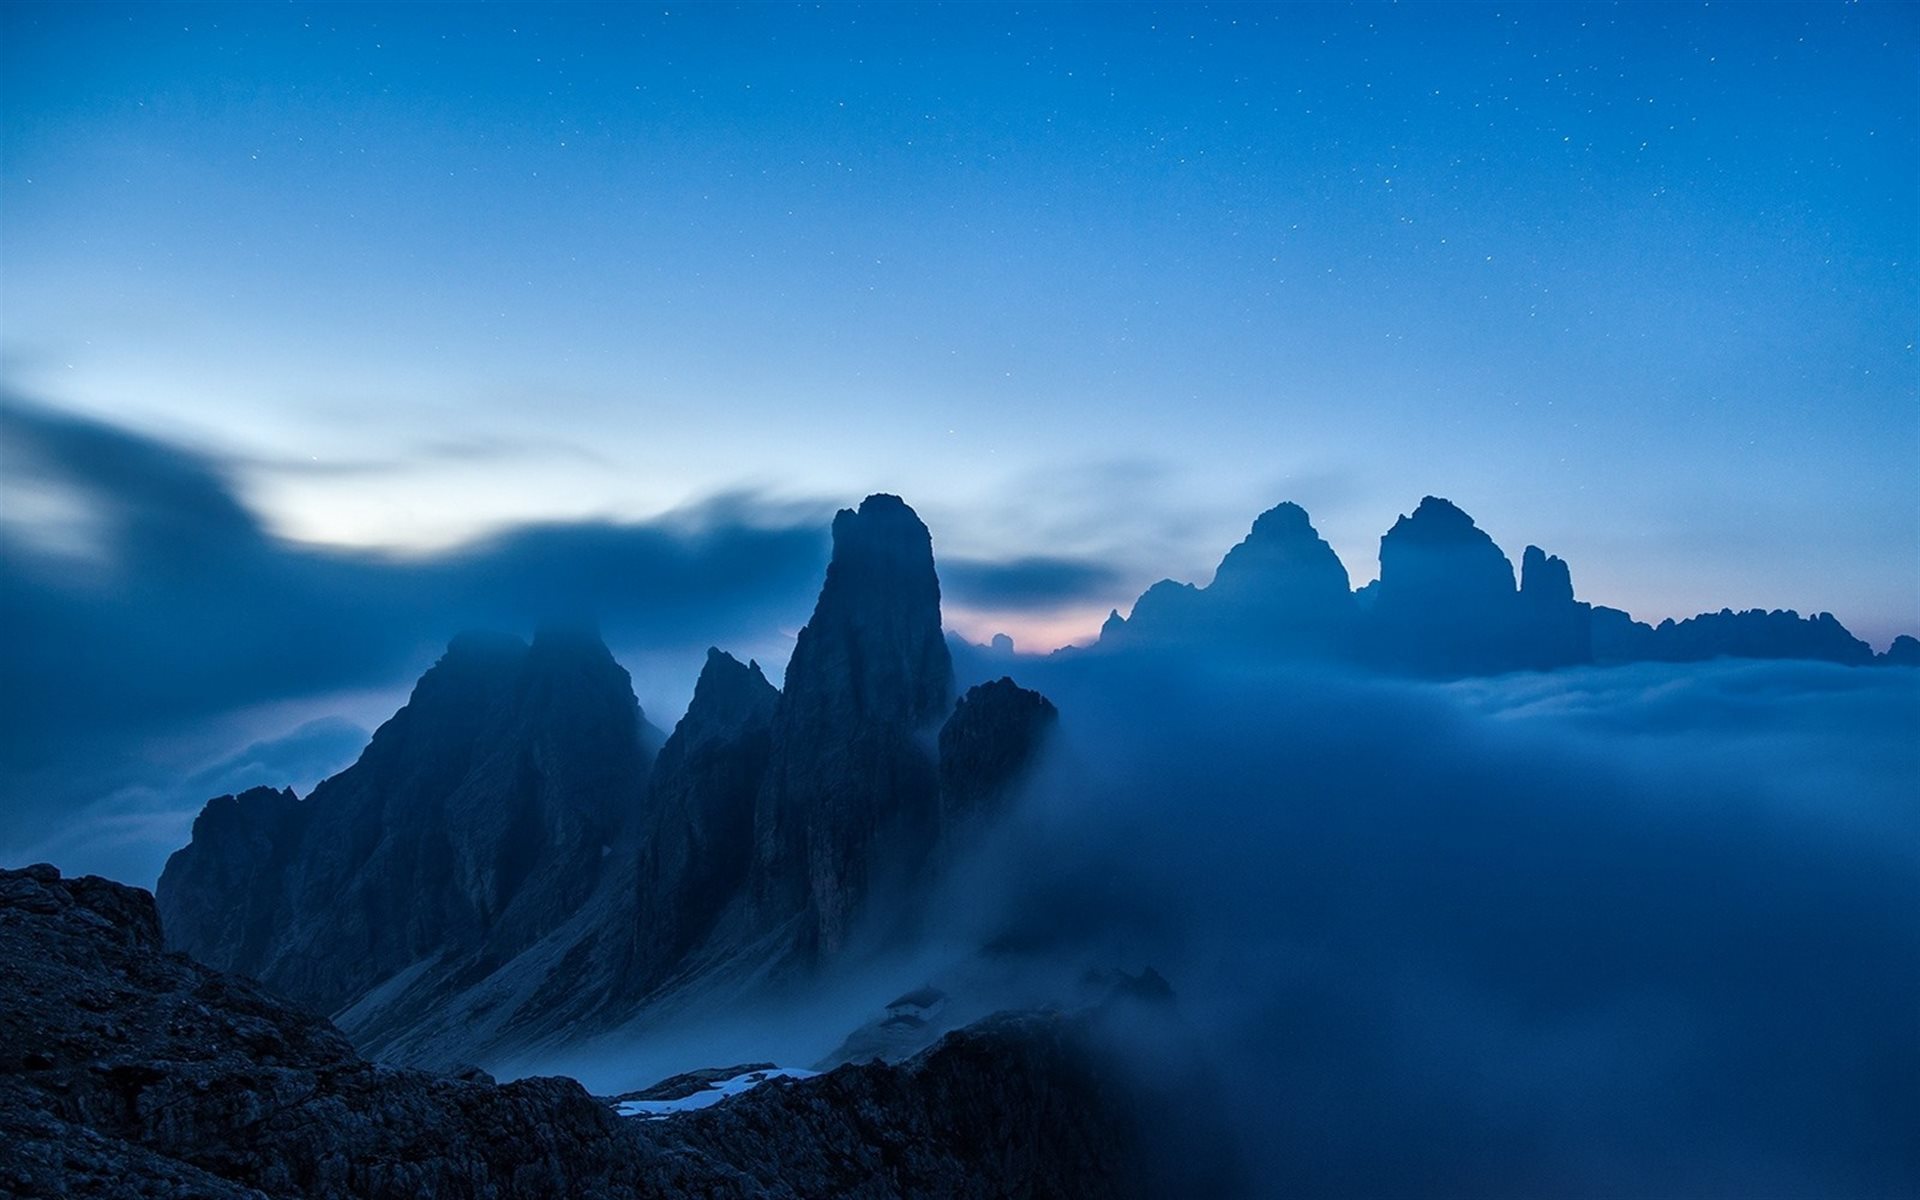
(1632,931)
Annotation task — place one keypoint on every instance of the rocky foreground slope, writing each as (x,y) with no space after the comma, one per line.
(128,1071)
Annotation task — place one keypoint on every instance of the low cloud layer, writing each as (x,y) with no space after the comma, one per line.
(1637,931)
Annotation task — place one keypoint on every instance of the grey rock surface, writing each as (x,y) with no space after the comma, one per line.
(129,1071)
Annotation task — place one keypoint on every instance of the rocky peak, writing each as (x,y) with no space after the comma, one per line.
(851,788)
(993,737)
(456,694)
(728,696)
(1283,551)
(1551,629)
(472,824)
(873,648)
(255,808)
(1446,596)
(1439,548)
(1544,578)
(221,894)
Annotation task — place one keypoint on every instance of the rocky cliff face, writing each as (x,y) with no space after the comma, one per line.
(851,788)
(473,824)
(225,891)
(694,859)
(126,1071)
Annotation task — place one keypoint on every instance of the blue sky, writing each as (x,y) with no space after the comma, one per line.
(1635,283)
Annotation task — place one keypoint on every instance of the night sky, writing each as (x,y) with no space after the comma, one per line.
(1635,283)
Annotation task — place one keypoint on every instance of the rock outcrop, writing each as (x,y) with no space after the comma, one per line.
(694,858)
(126,1071)
(1552,628)
(852,788)
(225,890)
(1903,652)
(987,747)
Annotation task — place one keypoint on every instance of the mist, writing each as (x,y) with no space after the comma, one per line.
(1630,931)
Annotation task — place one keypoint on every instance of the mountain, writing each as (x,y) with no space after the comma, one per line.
(1755,633)
(509,863)
(986,747)
(1445,605)
(1552,628)
(851,789)
(474,823)
(132,1072)
(519,859)
(1282,590)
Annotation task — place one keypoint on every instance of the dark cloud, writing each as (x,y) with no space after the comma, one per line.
(1632,932)
(1035,582)
(175,601)
(141,597)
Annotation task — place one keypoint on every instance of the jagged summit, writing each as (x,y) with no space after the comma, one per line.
(726,691)
(1545,578)
(1438,550)
(1445,605)
(1282,589)
(511,858)
(850,784)
(1283,553)
(874,641)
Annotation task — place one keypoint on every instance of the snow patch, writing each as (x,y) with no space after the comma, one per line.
(712,1094)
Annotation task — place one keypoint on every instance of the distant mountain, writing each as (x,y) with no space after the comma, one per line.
(1445,605)
(512,859)
(1282,590)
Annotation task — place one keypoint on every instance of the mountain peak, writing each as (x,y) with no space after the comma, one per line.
(1283,553)
(729,690)
(1284,521)
(1437,519)
(1544,578)
(874,642)
(850,780)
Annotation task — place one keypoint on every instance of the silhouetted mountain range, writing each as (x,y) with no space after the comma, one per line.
(519,856)
(1445,605)
(517,852)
